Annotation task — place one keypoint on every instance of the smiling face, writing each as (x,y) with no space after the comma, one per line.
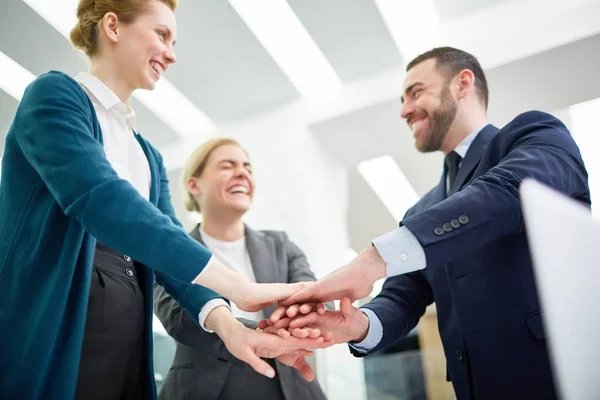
(226,184)
(428,105)
(143,49)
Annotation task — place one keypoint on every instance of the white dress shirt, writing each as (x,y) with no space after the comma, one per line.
(117,122)
(402,254)
(234,255)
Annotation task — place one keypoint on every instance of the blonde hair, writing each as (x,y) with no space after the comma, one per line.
(196,164)
(84,36)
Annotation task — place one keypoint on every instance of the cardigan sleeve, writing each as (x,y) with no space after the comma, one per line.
(189,296)
(54,127)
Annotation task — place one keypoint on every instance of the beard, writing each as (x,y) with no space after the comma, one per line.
(441,121)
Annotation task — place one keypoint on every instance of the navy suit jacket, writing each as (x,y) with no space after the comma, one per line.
(479,271)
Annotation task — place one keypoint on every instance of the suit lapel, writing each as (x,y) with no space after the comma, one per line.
(472,157)
(262,251)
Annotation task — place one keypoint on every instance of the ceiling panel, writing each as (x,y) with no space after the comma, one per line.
(367,217)
(222,67)
(450,10)
(351,34)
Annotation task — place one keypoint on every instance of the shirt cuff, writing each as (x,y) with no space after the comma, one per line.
(401,252)
(374,334)
(204,269)
(207,308)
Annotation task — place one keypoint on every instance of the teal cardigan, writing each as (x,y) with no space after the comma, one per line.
(58,194)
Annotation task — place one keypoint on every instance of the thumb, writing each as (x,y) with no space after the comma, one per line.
(346,307)
(258,365)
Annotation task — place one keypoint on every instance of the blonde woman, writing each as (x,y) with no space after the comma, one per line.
(87,224)
(219,183)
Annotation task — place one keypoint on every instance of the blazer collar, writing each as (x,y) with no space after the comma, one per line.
(472,158)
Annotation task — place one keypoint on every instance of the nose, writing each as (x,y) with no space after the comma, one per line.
(170,57)
(406,110)
(241,172)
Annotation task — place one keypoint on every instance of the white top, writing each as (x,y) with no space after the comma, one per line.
(235,256)
(117,122)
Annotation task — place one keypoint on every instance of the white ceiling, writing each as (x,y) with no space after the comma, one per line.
(537,55)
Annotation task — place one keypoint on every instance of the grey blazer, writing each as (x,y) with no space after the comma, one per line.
(202,362)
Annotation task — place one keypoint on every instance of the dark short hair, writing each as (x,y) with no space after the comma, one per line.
(451,61)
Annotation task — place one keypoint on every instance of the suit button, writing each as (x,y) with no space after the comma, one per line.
(126,258)
(459,354)
(463,219)
(447,227)
(455,224)
(129,272)
(438,231)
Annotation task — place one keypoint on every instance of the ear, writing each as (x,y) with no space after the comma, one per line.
(465,81)
(110,26)
(193,187)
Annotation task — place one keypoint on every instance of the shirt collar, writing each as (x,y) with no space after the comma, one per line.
(462,148)
(107,99)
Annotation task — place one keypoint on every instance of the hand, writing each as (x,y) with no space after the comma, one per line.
(248,296)
(354,281)
(348,324)
(295,359)
(295,309)
(256,296)
(249,345)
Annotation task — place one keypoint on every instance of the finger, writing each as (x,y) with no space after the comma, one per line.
(263,324)
(277,314)
(306,308)
(258,365)
(304,368)
(292,310)
(313,333)
(320,308)
(301,296)
(300,333)
(282,333)
(304,320)
(346,307)
(282,323)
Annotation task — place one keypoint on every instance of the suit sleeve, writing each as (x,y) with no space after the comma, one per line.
(298,266)
(489,208)
(54,128)
(399,306)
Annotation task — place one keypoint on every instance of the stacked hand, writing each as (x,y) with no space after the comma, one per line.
(301,323)
(349,324)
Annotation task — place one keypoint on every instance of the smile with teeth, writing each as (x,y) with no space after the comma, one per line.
(239,189)
(416,124)
(157,67)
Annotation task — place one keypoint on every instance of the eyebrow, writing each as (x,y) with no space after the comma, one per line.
(409,89)
(168,32)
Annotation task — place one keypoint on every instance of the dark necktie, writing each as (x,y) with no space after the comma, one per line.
(452,162)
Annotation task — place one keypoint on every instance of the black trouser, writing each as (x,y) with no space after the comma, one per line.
(113,363)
